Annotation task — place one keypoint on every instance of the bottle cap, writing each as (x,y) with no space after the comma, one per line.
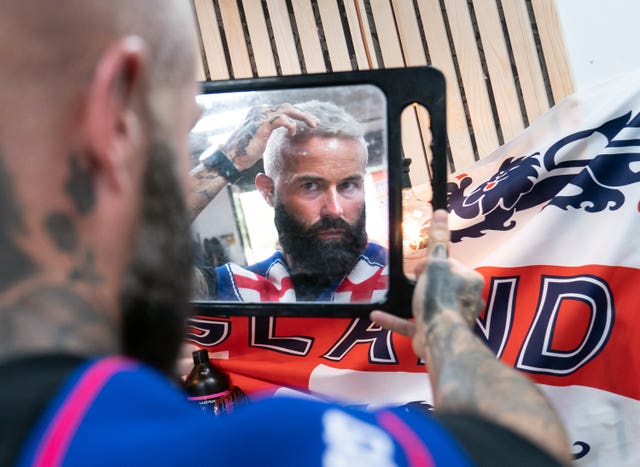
(200,356)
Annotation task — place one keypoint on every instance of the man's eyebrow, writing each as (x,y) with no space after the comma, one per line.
(356,178)
(308,178)
(315,178)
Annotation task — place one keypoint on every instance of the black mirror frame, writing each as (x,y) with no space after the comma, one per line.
(401,87)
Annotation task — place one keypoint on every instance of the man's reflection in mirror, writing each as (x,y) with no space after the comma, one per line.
(315,157)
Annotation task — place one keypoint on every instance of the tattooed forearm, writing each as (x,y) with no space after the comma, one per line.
(204,188)
(242,137)
(246,144)
(206,176)
(465,375)
(468,377)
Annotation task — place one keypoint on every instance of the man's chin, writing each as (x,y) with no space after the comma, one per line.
(331,259)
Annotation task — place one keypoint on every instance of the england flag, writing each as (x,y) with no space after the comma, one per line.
(552,220)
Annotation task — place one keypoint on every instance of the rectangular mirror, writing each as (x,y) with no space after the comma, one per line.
(313,226)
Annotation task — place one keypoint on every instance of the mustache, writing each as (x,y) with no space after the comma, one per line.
(327,223)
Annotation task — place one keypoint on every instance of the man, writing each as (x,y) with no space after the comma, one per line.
(92,241)
(315,158)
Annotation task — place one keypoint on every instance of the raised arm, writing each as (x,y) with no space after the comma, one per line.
(243,149)
(465,374)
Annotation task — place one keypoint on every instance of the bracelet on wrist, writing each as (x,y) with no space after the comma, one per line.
(222,165)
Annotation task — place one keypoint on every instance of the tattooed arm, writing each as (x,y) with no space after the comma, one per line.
(205,185)
(465,374)
(245,148)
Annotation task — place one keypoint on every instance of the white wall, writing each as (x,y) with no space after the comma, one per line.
(217,220)
(601,37)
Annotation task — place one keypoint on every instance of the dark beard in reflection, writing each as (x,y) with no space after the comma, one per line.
(157,288)
(317,263)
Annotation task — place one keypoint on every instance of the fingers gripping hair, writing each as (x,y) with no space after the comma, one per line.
(334,121)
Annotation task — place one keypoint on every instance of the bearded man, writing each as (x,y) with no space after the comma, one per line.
(315,159)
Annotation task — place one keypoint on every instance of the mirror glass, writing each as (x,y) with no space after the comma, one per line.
(242,256)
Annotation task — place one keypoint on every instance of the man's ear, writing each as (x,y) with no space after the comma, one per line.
(265,186)
(115,117)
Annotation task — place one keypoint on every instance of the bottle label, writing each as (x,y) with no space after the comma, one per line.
(210,396)
(211,403)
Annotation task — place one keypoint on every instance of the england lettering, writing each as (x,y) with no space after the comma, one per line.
(207,332)
(263,334)
(538,354)
(494,325)
(363,331)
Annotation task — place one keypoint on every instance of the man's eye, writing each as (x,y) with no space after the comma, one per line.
(349,186)
(310,186)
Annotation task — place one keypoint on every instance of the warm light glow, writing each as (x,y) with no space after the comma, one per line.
(416,215)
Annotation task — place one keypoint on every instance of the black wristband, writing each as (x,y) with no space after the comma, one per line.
(222,165)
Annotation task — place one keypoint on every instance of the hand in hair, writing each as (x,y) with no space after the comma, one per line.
(246,145)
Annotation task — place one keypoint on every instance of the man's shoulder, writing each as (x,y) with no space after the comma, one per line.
(234,282)
(261,267)
(375,253)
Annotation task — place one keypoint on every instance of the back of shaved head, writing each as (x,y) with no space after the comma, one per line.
(96,99)
(49,49)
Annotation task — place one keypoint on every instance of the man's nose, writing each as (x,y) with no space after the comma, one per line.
(332,206)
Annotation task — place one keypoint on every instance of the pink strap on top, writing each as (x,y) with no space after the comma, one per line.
(53,446)
(416,452)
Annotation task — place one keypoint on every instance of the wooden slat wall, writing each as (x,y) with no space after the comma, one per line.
(504,60)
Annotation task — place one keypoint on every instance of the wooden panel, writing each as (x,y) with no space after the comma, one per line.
(441,58)
(449,31)
(499,67)
(409,33)
(211,40)
(414,55)
(334,35)
(416,138)
(360,35)
(424,122)
(525,55)
(201,75)
(260,43)
(236,41)
(309,39)
(553,47)
(283,36)
(392,57)
(472,76)
(387,34)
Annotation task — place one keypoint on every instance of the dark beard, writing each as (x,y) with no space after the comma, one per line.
(316,263)
(157,288)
